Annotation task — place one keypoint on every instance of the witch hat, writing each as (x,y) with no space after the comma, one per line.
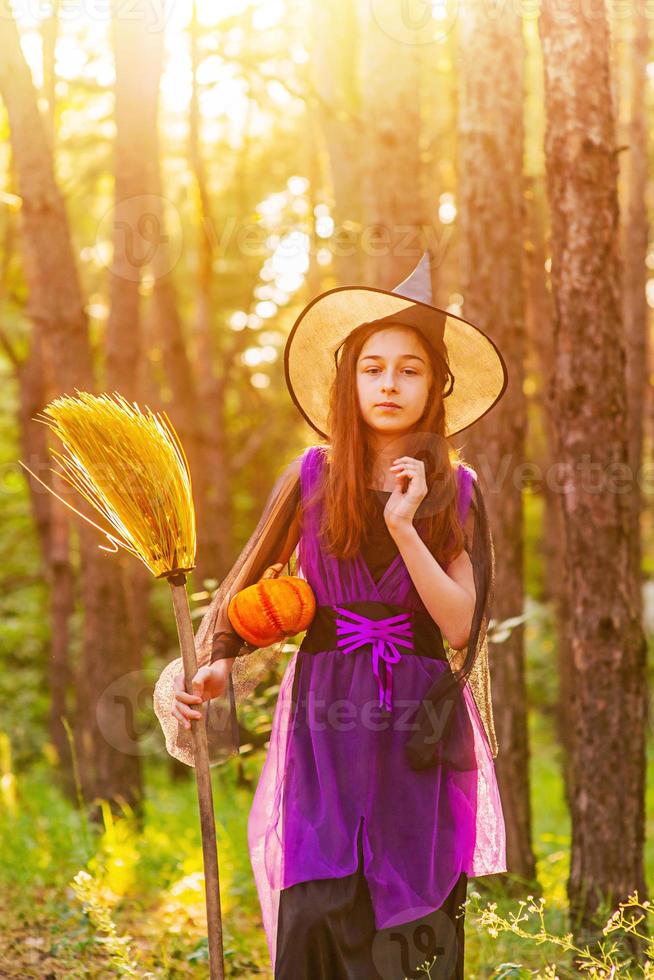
(478,373)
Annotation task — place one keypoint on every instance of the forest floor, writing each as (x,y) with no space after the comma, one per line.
(143,914)
(80,899)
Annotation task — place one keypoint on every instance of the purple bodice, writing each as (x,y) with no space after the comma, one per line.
(389,633)
(337,581)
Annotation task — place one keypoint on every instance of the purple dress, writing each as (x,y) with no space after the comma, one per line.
(335,785)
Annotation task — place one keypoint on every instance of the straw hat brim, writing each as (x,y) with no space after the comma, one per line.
(479,370)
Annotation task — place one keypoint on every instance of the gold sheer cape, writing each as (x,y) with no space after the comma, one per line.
(275,539)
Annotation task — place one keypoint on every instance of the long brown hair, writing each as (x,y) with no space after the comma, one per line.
(348,510)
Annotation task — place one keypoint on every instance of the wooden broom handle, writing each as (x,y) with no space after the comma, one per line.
(203,780)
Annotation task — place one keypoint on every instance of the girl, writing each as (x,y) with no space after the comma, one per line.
(378,797)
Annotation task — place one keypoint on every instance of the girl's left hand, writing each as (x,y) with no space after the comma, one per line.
(401,507)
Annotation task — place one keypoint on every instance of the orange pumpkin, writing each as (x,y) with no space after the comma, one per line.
(272,608)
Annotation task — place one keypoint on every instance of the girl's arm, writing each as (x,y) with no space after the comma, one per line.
(226,638)
(449,596)
(271,543)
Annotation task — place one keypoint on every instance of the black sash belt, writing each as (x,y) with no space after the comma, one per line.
(422,637)
(388,631)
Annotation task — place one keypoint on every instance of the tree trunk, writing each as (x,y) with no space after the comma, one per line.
(636,233)
(50,520)
(49,35)
(589,406)
(335,49)
(491,229)
(53,528)
(55,304)
(123,338)
(393,221)
(130,213)
(215,537)
(439,113)
(165,327)
(539,332)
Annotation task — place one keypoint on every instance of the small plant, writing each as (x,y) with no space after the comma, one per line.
(425,968)
(606,962)
(98,909)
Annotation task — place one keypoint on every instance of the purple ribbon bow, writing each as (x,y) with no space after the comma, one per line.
(354,631)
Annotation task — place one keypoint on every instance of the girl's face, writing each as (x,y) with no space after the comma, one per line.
(393,367)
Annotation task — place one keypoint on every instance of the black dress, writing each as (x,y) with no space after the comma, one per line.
(326,928)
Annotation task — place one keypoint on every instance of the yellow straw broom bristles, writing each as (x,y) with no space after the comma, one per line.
(131,467)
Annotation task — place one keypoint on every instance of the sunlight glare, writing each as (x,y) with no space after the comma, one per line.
(446,209)
(266,309)
(238,320)
(267,14)
(297,185)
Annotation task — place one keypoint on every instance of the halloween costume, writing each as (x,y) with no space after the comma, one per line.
(378,795)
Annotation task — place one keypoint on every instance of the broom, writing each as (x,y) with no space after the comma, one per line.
(131,467)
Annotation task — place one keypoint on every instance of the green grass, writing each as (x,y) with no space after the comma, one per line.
(150,881)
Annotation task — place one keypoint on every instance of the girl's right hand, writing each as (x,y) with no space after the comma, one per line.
(209,682)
